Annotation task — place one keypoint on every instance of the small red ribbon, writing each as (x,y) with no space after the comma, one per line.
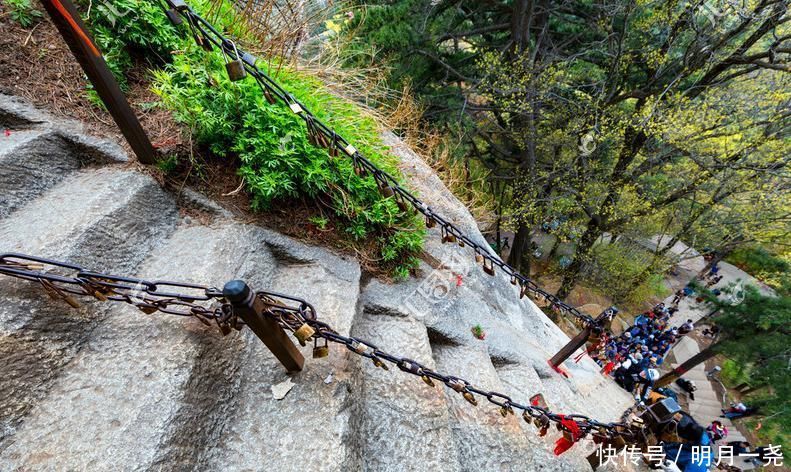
(564,444)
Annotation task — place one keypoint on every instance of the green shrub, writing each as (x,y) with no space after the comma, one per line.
(129,29)
(22,12)
(233,120)
(277,161)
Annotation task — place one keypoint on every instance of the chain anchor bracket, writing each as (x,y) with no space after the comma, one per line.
(251,309)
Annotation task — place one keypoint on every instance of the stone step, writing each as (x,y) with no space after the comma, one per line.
(395,408)
(315,419)
(484,439)
(104,219)
(37,162)
(146,390)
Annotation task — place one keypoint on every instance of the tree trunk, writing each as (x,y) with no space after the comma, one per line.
(633,141)
(554,249)
(704,355)
(520,250)
(581,255)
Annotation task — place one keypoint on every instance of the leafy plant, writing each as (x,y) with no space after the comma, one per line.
(126,29)
(320,222)
(22,12)
(233,120)
(478,332)
(277,161)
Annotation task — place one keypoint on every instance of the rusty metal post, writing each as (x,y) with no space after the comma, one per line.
(251,309)
(71,27)
(600,323)
(566,351)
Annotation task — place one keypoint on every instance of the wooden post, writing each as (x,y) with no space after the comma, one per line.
(71,27)
(566,351)
(251,309)
(674,374)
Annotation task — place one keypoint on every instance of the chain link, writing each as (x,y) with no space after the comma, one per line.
(65,281)
(322,135)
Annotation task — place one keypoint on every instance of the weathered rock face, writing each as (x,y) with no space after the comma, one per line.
(107,388)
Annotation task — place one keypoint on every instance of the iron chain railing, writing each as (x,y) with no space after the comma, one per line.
(241,64)
(64,280)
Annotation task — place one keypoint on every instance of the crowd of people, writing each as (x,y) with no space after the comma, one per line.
(633,357)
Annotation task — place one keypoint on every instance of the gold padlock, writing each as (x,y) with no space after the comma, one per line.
(386,190)
(268,96)
(427,380)
(430,222)
(320,352)
(470,398)
(304,333)
(147,309)
(447,236)
(378,363)
(505,410)
(489,269)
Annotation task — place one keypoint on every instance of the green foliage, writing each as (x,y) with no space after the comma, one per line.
(167,164)
(733,373)
(233,120)
(765,266)
(128,29)
(22,12)
(277,161)
(678,140)
(614,269)
(320,222)
(755,340)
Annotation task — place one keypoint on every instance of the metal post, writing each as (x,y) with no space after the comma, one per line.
(251,309)
(71,27)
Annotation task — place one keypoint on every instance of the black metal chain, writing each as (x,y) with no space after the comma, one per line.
(64,280)
(320,134)
(540,416)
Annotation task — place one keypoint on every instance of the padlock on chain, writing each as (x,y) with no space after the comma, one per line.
(379,363)
(234,67)
(478,257)
(470,398)
(304,333)
(488,268)
(385,189)
(334,145)
(447,236)
(268,95)
(320,351)
(430,222)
